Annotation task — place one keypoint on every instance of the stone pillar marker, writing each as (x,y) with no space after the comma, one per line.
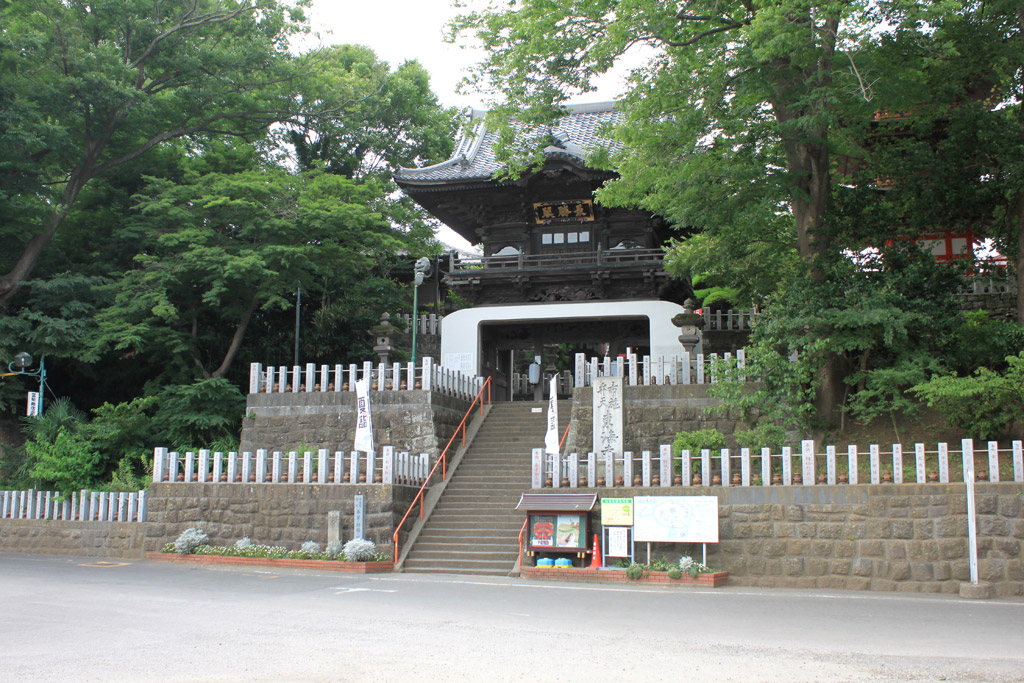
(993,461)
(705,467)
(46,506)
(359,516)
(556,469)
(807,462)
(745,466)
(726,464)
(190,465)
(353,469)
(175,463)
(873,455)
(261,465)
(159,458)
(830,465)
(321,465)
(333,527)
(218,466)
(897,463)
(122,506)
(133,507)
(851,463)
(95,512)
(204,464)
(1018,461)
(143,495)
(339,466)
(627,468)
(83,505)
(685,466)
(943,463)
(275,467)
(537,468)
(246,466)
(787,465)
(387,464)
(111,507)
(574,470)
(766,466)
(665,465)
(645,467)
(307,467)
(293,466)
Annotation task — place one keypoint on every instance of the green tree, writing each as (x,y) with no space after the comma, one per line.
(88,87)
(221,248)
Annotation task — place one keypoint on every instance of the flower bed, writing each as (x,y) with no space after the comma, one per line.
(706,579)
(329,565)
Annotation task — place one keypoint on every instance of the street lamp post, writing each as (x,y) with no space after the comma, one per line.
(22,361)
(422,266)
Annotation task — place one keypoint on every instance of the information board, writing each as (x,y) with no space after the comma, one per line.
(675,519)
(616,512)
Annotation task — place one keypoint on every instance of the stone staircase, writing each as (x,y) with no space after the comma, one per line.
(474,528)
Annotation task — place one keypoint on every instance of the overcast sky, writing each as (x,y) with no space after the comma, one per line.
(398,30)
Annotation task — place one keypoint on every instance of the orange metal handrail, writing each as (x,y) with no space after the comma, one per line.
(521,532)
(562,442)
(443,460)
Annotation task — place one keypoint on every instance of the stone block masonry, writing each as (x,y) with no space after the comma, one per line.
(417,421)
(278,514)
(652,416)
(91,539)
(889,537)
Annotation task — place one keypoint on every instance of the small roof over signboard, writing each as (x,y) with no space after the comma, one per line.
(557,502)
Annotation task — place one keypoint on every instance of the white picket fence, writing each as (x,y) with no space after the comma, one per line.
(394,377)
(84,506)
(277,467)
(682,369)
(895,464)
(429,323)
(740,319)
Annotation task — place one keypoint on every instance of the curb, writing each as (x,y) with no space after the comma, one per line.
(328,565)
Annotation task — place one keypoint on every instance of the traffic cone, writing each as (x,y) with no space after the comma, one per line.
(595,557)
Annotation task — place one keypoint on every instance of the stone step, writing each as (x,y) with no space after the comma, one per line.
(457,566)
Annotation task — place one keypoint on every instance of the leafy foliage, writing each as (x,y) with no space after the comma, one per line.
(67,463)
(985,404)
(697,440)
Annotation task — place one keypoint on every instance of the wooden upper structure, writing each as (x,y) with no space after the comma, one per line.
(543,237)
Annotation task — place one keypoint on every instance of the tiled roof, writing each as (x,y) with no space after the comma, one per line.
(575,135)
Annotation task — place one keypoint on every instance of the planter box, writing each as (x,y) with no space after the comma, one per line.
(329,565)
(708,580)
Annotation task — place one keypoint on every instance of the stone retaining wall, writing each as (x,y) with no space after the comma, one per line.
(888,537)
(92,539)
(272,514)
(997,304)
(652,416)
(416,421)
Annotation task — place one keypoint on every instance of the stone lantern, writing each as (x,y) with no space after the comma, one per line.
(384,332)
(690,324)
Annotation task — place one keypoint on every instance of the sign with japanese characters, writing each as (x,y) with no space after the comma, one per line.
(675,519)
(616,512)
(608,417)
(573,211)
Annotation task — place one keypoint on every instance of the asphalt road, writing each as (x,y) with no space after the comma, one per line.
(78,619)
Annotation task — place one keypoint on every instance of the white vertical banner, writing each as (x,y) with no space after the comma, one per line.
(551,435)
(364,428)
(32,407)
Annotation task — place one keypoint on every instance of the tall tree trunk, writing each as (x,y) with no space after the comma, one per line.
(236,340)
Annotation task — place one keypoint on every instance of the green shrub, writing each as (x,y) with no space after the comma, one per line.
(985,404)
(712,439)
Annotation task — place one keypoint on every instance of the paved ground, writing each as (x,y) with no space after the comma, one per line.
(77,619)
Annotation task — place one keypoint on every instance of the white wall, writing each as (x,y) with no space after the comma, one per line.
(460,333)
